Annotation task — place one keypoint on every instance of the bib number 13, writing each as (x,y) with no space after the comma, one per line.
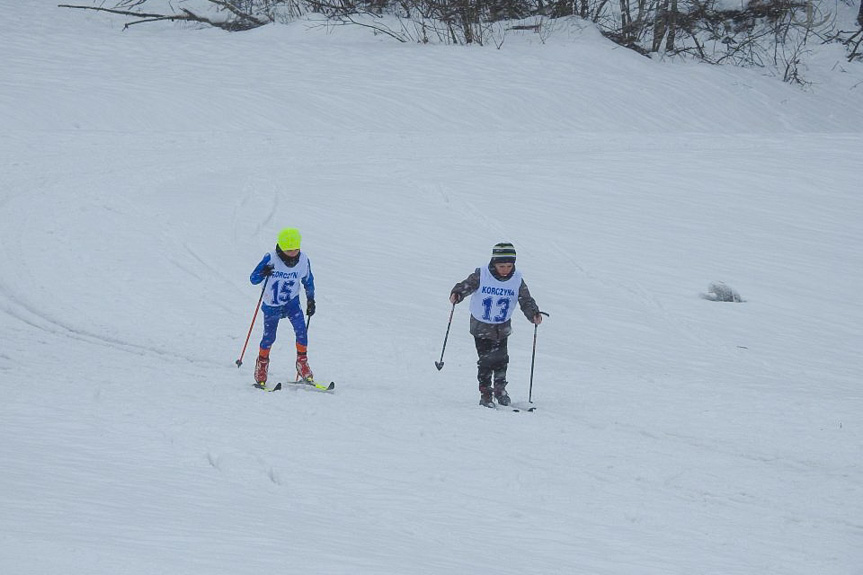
(501,306)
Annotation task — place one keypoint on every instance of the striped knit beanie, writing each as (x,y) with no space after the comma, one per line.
(503,253)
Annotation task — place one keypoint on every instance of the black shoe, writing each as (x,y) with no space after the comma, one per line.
(500,391)
(485,400)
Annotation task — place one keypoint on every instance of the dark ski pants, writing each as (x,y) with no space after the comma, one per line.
(493,359)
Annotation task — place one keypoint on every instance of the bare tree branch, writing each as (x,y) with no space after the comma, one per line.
(246,22)
(113,11)
(237,12)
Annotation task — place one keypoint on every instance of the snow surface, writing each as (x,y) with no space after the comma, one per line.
(144,173)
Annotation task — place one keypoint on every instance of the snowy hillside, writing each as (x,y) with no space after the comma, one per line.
(144,173)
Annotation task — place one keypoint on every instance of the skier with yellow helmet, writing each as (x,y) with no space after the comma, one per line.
(285,269)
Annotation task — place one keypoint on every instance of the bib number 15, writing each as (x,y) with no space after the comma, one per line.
(282,291)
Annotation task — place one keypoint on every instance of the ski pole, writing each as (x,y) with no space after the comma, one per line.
(439,364)
(533,360)
(308,323)
(239,362)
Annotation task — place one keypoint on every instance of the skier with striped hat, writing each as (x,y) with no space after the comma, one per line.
(285,268)
(495,288)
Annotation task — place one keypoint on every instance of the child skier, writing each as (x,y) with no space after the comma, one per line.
(285,268)
(495,289)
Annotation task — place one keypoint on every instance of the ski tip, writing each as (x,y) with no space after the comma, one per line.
(311,384)
(525,409)
(263,387)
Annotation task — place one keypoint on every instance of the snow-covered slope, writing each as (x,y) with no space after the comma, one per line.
(143,174)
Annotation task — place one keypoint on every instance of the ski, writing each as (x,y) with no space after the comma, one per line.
(521,406)
(264,387)
(528,410)
(312,384)
(512,407)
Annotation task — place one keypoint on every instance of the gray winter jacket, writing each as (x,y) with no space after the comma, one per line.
(494,331)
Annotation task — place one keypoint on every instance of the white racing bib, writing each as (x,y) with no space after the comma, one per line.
(495,300)
(284,283)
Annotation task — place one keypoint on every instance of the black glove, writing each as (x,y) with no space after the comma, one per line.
(310,307)
(267,270)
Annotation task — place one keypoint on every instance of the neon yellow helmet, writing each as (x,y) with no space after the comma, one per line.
(289,239)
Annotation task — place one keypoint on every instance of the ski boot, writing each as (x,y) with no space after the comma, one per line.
(261,366)
(485,397)
(303,369)
(500,393)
